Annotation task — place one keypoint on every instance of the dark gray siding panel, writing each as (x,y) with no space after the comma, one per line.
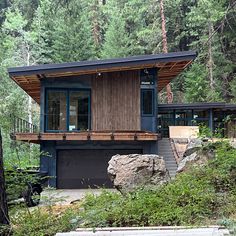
(48,161)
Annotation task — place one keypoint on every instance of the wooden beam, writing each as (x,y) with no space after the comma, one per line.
(85,136)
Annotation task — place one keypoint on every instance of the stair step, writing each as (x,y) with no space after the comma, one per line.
(165,150)
(172,169)
(161,152)
(172,165)
(170,162)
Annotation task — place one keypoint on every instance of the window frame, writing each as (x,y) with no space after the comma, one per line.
(142,102)
(67,93)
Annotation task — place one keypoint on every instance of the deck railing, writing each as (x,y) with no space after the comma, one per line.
(20,125)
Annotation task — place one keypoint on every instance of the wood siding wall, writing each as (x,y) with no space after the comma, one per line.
(116,101)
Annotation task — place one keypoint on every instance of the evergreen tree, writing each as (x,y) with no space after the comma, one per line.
(116,38)
(72,35)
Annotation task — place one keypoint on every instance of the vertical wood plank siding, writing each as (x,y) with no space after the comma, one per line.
(116,101)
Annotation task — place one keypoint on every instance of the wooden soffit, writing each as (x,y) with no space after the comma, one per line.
(169,66)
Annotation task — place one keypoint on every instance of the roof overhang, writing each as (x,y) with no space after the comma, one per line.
(169,66)
(196,106)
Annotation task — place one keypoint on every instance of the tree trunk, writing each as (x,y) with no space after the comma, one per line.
(4,218)
(96,26)
(163,27)
(210,61)
(165,48)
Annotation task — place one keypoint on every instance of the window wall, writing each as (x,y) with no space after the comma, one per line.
(179,117)
(67,110)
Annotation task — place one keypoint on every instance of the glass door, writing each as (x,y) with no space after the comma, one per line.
(79,110)
(67,110)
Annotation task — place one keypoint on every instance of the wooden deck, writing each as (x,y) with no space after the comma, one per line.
(87,136)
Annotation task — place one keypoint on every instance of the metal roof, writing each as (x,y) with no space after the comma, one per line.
(204,105)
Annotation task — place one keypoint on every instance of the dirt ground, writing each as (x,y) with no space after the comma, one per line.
(66,196)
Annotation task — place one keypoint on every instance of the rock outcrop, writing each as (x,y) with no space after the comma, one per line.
(193,146)
(195,159)
(233,143)
(196,155)
(128,172)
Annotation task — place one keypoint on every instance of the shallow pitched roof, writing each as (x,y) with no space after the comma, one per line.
(197,106)
(169,65)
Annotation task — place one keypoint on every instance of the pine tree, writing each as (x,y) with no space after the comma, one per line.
(72,35)
(116,38)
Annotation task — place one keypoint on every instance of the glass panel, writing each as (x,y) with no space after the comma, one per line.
(166,114)
(198,114)
(182,122)
(147,102)
(56,110)
(185,114)
(79,110)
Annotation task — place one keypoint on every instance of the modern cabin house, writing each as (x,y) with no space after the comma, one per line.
(91,110)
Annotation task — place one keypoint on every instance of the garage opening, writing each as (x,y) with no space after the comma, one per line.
(85,168)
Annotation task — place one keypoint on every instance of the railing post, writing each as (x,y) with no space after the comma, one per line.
(19,125)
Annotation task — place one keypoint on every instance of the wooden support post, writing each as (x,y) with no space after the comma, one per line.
(4,218)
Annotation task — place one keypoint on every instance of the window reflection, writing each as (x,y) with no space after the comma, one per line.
(79,110)
(68,110)
(147,102)
(56,110)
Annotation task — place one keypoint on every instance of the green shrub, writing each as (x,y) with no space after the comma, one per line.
(187,200)
(202,193)
(41,222)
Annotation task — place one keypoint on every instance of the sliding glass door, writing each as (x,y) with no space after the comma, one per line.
(67,110)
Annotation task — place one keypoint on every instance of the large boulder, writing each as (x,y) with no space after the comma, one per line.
(127,172)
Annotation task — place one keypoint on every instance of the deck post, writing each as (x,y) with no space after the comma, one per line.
(211,120)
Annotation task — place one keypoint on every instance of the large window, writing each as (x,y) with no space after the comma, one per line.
(67,110)
(147,102)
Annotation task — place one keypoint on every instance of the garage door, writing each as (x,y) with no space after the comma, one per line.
(85,168)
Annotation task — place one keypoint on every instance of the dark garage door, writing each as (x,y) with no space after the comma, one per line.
(85,168)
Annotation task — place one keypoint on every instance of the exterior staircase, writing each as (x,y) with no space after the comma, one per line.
(165,150)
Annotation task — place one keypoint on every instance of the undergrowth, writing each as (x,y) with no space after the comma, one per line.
(200,195)
(43,221)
